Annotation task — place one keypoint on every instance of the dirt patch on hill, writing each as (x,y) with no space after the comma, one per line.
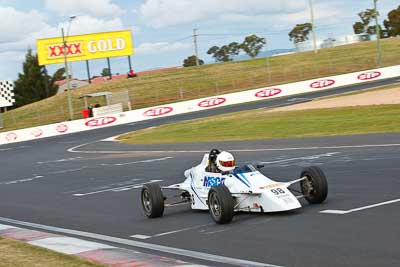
(378,97)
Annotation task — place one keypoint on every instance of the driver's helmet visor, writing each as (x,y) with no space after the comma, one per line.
(229,163)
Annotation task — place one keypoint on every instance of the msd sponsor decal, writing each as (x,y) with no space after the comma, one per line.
(62,128)
(73,49)
(322,83)
(211,102)
(369,75)
(100,121)
(11,136)
(213,181)
(268,92)
(37,132)
(154,112)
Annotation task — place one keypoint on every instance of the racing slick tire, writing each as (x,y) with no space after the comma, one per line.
(221,204)
(152,200)
(315,186)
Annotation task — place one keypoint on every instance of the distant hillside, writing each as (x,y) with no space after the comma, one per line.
(178,84)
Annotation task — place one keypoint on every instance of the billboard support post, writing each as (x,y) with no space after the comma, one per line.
(130,63)
(71,113)
(88,71)
(109,68)
(46,81)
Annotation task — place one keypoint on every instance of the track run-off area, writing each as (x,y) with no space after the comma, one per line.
(83,186)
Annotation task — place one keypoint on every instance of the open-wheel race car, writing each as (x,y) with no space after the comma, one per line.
(217,185)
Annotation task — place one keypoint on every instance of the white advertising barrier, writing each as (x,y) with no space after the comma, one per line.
(107,110)
(198,104)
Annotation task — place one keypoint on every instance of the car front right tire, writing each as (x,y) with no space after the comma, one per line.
(221,204)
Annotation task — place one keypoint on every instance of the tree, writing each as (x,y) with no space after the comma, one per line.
(392,24)
(358,27)
(364,26)
(225,52)
(34,84)
(105,72)
(252,45)
(191,61)
(300,32)
(59,75)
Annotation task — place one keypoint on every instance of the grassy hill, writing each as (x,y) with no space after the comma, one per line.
(188,83)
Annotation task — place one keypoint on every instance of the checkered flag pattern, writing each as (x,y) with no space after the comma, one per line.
(6,93)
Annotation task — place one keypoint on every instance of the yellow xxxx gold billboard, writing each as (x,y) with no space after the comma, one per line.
(85,47)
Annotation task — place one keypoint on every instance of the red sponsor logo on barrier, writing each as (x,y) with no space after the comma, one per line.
(154,112)
(37,132)
(322,83)
(369,75)
(11,136)
(70,49)
(212,102)
(100,121)
(62,128)
(268,92)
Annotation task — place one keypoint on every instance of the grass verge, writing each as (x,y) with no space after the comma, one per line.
(258,124)
(16,253)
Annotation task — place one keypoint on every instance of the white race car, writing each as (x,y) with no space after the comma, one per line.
(237,189)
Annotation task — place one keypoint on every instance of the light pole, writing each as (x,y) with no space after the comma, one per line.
(378,36)
(196,52)
(267,60)
(70,107)
(312,27)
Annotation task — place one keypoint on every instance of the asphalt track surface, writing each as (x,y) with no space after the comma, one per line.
(96,190)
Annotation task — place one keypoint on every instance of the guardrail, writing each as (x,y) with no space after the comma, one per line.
(198,104)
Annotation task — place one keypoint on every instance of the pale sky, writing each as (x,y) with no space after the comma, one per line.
(162,29)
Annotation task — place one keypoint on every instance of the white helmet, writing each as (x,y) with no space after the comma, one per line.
(225,161)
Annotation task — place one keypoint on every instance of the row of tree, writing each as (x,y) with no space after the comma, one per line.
(391,24)
(300,32)
(251,45)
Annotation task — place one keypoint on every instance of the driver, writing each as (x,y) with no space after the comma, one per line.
(225,161)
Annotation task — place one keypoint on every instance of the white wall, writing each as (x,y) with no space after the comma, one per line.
(198,104)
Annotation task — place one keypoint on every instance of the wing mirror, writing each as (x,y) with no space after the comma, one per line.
(260,166)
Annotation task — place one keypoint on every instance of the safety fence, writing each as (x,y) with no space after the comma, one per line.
(199,104)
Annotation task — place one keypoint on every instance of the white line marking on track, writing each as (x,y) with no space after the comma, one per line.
(216,231)
(305,157)
(22,180)
(14,148)
(139,244)
(361,208)
(69,170)
(135,162)
(111,139)
(58,160)
(116,189)
(74,149)
(141,236)
(183,229)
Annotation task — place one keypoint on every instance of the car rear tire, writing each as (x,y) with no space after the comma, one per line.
(221,204)
(152,200)
(315,185)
